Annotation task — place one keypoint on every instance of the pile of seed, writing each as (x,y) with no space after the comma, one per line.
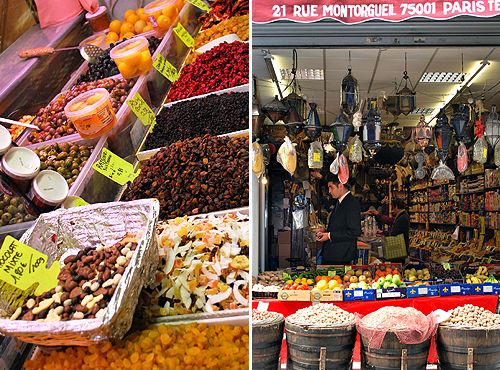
(213,115)
(473,316)
(258,315)
(321,314)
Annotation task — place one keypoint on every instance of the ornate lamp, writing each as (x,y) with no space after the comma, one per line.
(275,110)
(371,129)
(349,94)
(294,121)
(341,130)
(294,100)
(405,96)
(423,133)
(442,135)
(492,127)
(459,120)
(313,126)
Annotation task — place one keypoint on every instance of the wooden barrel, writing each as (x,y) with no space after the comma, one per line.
(312,347)
(394,355)
(467,349)
(266,343)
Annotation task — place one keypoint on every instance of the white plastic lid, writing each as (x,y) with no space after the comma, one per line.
(100,11)
(51,187)
(21,162)
(155,6)
(5,140)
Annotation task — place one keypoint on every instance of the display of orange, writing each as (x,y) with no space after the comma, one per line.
(128,13)
(163,22)
(128,35)
(144,17)
(148,27)
(115,26)
(170,11)
(139,26)
(139,11)
(126,27)
(132,18)
(112,37)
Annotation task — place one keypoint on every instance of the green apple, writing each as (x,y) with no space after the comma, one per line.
(380,280)
(387,285)
(396,279)
(388,278)
(393,285)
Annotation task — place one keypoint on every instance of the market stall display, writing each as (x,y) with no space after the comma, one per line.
(267,335)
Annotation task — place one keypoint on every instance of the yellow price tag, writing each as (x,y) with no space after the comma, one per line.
(199,4)
(332,273)
(79,202)
(184,35)
(347,268)
(142,110)
(115,168)
(446,266)
(165,68)
(316,157)
(485,152)
(22,266)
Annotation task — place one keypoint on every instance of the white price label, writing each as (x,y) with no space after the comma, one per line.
(263,306)
(455,289)
(488,288)
(358,293)
(422,291)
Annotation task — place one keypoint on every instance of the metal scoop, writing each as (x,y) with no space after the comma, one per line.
(88,52)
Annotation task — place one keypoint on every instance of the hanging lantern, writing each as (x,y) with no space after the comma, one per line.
(275,110)
(341,130)
(459,120)
(406,96)
(442,134)
(423,133)
(492,127)
(296,101)
(371,129)
(349,94)
(294,122)
(313,126)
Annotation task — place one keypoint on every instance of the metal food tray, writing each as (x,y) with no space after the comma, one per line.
(91,226)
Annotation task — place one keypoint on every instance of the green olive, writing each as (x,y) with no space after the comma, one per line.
(85,153)
(43,166)
(75,172)
(6,217)
(62,155)
(11,209)
(68,163)
(14,201)
(61,170)
(6,199)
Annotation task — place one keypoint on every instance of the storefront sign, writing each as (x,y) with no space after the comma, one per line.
(115,168)
(357,11)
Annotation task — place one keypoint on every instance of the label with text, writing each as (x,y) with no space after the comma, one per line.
(184,35)
(166,68)
(22,266)
(142,110)
(115,168)
(199,4)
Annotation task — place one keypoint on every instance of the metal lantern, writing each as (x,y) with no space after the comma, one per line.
(296,101)
(492,127)
(406,96)
(275,110)
(313,126)
(349,94)
(459,120)
(442,134)
(341,130)
(423,133)
(294,121)
(371,129)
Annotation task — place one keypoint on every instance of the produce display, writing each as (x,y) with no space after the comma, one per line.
(298,284)
(446,275)
(53,122)
(223,9)
(68,159)
(204,265)
(13,210)
(197,117)
(16,130)
(87,282)
(473,316)
(224,66)
(195,176)
(105,65)
(412,274)
(480,276)
(258,315)
(158,347)
(271,278)
(321,314)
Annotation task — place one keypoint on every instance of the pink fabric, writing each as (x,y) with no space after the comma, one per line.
(55,12)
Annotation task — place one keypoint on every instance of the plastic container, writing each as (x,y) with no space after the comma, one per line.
(91,113)
(48,190)
(132,57)
(99,20)
(97,39)
(21,165)
(169,9)
(5,140)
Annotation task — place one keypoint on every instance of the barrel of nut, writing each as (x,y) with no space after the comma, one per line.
(394,355)
(266,343)
(464,348)
(315,347)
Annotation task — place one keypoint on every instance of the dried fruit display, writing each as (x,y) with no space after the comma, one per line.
(87,282)
(223,9)
(323,314)
(222,67)
(195,176)
(53,122)
(16,130)
(204,265)
(198,117)
(194,346)
(473,316)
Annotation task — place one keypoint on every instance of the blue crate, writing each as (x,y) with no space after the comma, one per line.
(466,289)
(479,289)
(496,288)
(422,291)
(391,293)
(450,289)
(359,294)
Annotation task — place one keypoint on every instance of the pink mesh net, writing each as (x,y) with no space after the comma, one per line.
(410,325)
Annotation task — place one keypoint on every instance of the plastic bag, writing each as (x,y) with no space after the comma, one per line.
(298,219)
(343,169)
(334,167)
(480,153)
(287,156)
(442,172)
(357,120)
(356,152)
(257,159)
(462,158)
(315,155)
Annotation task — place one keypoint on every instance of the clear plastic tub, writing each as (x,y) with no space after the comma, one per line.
(99,21)
(48,190)
(132,57)
(91,113)
(164,12)
(5,140)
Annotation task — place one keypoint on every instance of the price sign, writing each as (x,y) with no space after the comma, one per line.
(184,35)
(142,110)
(332,273)
(347,268)
(316,157)
(446,266)
(21,266)
(115,168)
(199,4)
(263,306)
(79,202)
(165,68)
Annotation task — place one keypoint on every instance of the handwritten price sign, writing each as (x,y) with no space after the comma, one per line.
(21,266)
(115,168)
(166,68)
(199,4)
(142,110)
(184,35)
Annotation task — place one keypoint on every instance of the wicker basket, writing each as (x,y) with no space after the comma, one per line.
(91,226)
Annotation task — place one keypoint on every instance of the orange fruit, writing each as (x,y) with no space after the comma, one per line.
(139,26)
(128,35)
(144,17)
(163,22)
(170,11)
(126,27)
(132,18)
(148,27)
(179,4)
(115,26)
(139,11)
(128,13)
(112,36)
(127,70)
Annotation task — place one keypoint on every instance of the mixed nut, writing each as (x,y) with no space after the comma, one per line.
(87,282)
(323,314)
(258,315)
(200,175)
(473,316)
